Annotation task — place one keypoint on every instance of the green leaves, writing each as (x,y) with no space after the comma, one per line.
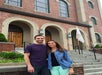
(11,57)
(2,38)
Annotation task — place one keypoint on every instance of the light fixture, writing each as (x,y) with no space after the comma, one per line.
(69,35)
(41,31)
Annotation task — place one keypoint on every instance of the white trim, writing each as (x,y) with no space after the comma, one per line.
(90,1)
(63,32)
(100,8)
(93,16)
(85,38)
(99,35)
(32,25)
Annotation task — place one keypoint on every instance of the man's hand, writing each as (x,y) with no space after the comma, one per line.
(30,69)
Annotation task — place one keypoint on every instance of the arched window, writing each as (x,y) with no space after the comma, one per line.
(90,4)
(63,8)
(42,5)
(14,2)
(98,38)
(93,20)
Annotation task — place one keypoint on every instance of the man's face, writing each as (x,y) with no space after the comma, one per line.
(39,39)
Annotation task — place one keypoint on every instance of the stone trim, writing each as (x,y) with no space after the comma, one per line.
(12,68)
(85,37)
(6,43)
(63,32)
(32,25)
(21,69)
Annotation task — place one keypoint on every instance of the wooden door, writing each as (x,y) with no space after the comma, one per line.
(47,38)
(15,37)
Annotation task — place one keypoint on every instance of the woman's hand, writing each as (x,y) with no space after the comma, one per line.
(71,71)
(30,69)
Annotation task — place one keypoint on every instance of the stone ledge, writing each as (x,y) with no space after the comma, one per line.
(12,64)
(21,68)
(6,43)
(12,68)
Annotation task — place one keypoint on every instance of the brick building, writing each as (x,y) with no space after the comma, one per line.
(21,20)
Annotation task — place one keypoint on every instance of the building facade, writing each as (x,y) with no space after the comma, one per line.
(21,20)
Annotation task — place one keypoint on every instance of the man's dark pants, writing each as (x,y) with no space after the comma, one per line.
(40,70)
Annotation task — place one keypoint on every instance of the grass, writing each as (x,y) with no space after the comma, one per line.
(11,57)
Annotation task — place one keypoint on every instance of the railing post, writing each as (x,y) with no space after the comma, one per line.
(24,45)
(94,50)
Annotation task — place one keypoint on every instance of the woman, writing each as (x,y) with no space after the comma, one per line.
(59,62)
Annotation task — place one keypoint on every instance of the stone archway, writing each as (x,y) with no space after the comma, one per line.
(29,29)
(73,42)
(54,34)
(57,33)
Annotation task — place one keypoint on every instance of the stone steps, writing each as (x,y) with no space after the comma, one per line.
(91,66)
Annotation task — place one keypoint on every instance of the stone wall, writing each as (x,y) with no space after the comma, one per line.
(21,70)
(6,46)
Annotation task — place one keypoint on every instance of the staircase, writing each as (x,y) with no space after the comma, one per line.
(91,66)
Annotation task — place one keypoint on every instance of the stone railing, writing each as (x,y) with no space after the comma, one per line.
(20,69)
(6,46)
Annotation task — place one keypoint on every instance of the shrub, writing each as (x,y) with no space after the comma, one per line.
(2,38)
(97,46)
(10,55)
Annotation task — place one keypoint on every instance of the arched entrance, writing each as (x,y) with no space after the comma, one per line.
(52,33)
(77,44)
(19,33)
(19,29)
(56,32)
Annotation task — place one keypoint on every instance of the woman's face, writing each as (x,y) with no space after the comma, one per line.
(52,44)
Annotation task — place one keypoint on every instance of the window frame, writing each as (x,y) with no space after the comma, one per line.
(90,4)
(66,13)
(18,3)
(94,21)
(98,38)
(46,8)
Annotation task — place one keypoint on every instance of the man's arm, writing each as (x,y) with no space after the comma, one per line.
(27,60)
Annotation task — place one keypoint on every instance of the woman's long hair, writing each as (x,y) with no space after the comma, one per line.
(57,45)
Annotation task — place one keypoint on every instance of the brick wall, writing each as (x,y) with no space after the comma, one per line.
(94,13)
(6,46)
(28,6)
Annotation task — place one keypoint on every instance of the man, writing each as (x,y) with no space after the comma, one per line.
(35,56)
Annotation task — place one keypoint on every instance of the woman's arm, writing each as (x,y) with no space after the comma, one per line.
(67,57)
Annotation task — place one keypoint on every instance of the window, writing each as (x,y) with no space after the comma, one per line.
(90,4)
(14,2)
(93,20)
(98,38)
(42,5)
(63,8)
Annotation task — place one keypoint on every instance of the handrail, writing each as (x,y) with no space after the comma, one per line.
(25,43)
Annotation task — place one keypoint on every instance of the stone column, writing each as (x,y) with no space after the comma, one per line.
(80,11)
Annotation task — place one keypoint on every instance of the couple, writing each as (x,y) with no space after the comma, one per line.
(36,55)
